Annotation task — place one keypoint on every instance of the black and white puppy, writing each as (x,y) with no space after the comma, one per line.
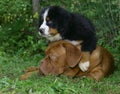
(55,23)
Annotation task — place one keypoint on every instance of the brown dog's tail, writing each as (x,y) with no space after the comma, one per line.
(28,72)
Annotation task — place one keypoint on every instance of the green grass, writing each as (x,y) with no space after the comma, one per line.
(12,66)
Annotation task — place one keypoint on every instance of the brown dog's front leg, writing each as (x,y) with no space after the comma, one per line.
(31,69)
(28,72)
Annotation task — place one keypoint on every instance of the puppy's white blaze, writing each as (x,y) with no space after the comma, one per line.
(84,66)
(44,24)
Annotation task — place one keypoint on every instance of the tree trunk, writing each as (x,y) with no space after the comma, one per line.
(35,6)
(35,9)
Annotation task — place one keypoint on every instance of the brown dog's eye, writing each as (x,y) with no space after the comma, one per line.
(52,57)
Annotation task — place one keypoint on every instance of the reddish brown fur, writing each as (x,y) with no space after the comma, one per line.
(53,31)
(63,58)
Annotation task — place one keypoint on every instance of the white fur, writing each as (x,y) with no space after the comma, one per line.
(74,42)
(51,37)
(84,66)
(44,25)
(54,38)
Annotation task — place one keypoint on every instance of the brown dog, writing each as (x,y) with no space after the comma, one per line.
(63,58)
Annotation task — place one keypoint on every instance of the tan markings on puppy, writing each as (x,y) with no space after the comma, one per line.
(85,57)
(96,56)
(53,31)
(84,62)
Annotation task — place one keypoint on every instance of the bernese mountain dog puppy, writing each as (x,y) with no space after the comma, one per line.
(56,23)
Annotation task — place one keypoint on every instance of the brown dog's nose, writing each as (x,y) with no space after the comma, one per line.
(42,61)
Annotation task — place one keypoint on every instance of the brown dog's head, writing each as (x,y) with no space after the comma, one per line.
(59,56)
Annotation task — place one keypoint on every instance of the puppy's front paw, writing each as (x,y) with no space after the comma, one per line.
(84,66)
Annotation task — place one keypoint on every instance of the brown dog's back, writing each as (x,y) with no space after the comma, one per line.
(101,64)
(108,61)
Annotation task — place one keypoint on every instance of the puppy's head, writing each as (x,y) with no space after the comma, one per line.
(60,56)
(52,21)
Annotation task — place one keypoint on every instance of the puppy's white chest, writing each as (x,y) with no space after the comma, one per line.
(74,42)
(54,38)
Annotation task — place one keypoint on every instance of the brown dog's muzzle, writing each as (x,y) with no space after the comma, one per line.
(54,63)
(46,67)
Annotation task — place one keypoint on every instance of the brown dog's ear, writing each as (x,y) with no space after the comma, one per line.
(73,55)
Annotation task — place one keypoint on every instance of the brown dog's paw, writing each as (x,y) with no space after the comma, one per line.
(25,76)
(28,72)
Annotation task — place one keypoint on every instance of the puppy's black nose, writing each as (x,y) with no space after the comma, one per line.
(41,30)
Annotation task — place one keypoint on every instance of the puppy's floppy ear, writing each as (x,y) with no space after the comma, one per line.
(73,54)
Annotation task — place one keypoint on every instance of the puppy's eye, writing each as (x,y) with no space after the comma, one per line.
(47,19)
(49,22)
